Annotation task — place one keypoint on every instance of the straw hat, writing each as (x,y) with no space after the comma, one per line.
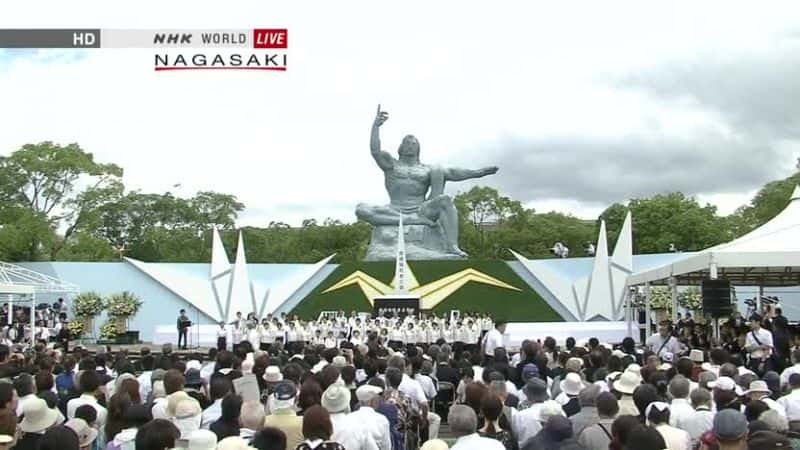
(86,434)
(336,399)
(202,440)
(549,409)
(38,417)
(758,387)
(273,374)
(627,383)
(697,356)
(233,443)
(173,400)
(572,384)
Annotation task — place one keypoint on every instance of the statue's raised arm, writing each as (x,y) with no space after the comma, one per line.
(384,159)
(456,174)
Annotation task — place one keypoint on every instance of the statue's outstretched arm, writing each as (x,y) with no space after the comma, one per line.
(384,159)
(456,174)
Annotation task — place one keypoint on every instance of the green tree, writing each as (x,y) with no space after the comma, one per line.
(666,219)
(61,184)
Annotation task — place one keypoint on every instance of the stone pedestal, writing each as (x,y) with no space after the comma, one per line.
(422,242)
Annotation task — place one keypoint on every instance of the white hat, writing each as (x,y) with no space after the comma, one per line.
(634,368)
(203,440)
(618,353)
(758,386)
(273,374)
(549,409)
(173,400)
(434,444)
(661,406)
(367,392)
(38,417)
(233,443)
(336,399)
(339,361)
(603,385)
(627,383)
(572,384)
(696,356)
(86,434)
(723,384)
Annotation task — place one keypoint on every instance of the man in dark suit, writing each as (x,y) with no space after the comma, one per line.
(183,328)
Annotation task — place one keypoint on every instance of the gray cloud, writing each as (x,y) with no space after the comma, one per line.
(753,94)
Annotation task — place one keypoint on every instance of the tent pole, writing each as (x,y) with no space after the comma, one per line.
(646,309)
(628,308)
(33,319)
(10,309)
(673,289)
(758,300)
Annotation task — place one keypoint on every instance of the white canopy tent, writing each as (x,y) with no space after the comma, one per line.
(20,285)
(768,256)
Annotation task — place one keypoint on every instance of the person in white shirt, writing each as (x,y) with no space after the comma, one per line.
(220,387)
(758,390)
(663,341)
(464,424)
(89,382)
(703,418)
(378,424)
(795,368)
(222,337)
(658,416)
(494,339)
(791,401)
(348,430)
(25,387)
(681,410)
(758,344)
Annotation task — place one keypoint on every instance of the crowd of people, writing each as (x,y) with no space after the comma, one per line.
(380,386)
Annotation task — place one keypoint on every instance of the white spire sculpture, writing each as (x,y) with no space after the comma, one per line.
(400,264)
(220,275)
(241,294)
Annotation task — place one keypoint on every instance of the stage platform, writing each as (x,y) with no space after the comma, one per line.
(516,332)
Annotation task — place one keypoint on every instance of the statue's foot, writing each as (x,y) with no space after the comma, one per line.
(457,251)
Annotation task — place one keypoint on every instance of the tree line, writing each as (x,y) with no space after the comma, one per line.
(57,203)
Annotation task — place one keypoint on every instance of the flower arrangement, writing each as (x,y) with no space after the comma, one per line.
(87,304)
(690,299)
(660,298)
(124,304)
(76,328)
(109,330)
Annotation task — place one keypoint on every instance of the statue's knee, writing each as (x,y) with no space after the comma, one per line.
(445,199)
(363,210)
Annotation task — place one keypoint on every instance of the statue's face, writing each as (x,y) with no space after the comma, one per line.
(409,147)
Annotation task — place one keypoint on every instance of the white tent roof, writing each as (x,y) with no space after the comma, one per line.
(767,256)
(19,280)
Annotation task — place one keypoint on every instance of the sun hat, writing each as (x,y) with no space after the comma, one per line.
(273,374)
(336,399)
(188,416)
(549,409)
(536,390)
(634,368)
(697,356)
(233,443)
(572,384)
(434,444)
(758,386)
(627,383)
(86,434)
(367,392)
(172,402)
(529,370)
(37,416)
(573,364)
(339,361)
(284,393)
(202,440)
(723,384)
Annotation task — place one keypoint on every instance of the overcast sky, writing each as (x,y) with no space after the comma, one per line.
(580,105)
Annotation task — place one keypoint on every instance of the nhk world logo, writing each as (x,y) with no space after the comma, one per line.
(260,49)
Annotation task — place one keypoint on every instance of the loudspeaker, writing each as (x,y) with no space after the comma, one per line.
(717,298)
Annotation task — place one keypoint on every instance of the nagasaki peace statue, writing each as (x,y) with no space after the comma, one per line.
(416,191)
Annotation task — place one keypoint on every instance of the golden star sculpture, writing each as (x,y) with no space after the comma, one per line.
(430,294)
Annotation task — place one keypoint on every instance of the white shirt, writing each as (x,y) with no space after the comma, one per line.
(87,399)
(791,404)
(656,341)
(159,409)
(494,339)
(525,424)
(211,414)
(680,412)
(145,385)
(764,337)
(22,400)
(675,438)
(701,421)
(413,389)
(427,385)
(788,373)
(378,426)
(351,433)
(475,442)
